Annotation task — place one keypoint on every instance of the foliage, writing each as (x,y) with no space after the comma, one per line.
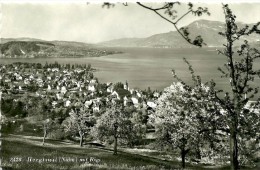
(179,117)
(241,122)
(79,122)
(116,124)
(13,108)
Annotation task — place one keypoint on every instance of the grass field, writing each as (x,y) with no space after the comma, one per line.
(18,152)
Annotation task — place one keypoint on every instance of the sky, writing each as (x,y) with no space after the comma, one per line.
(91,23)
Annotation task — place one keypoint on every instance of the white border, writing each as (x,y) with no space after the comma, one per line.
(133,1)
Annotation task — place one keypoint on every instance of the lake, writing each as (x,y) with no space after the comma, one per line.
(150,67)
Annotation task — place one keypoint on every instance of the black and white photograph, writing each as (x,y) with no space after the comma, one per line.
(146,85)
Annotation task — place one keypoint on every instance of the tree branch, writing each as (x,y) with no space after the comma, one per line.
(183,16)
(221,129)
(155,10)
(223,104)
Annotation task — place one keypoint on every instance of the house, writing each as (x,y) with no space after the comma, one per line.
(49,88)
(138,94)
(7,80)
(67,103)
(77,104)
(26,81)
(18,77)
(135,100)
(151,104)
(63,90)
(93,81)
(96,107)
(31,77)
(59,96)
(88,103)
(58,87)
(250,106)
(126,86)
(55,70)
(125,100)
(110,89)
(156,94)
(39,82)
(109,84)
(78,70)
(37,94)
(54,103)
(132,91)
(115,94)
(91,87)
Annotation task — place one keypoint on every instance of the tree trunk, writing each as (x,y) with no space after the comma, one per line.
(183,158)
(115,146)
(198,153)
(81,140)
(233,153)
(44,136)
(233,148)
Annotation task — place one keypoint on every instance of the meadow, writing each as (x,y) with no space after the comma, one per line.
(18,151)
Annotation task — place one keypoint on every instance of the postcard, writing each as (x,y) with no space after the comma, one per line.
(129,85)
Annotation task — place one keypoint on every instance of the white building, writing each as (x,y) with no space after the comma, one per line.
(67,103)
(63,89)
(91,87)
(116,95)
(135,100)
(49,88)
(151,104)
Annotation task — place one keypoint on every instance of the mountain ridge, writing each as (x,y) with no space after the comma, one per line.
(206,28)
(35,48)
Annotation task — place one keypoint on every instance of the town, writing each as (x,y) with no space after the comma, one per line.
(68,85)
(36,92)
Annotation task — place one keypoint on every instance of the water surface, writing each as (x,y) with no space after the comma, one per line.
(149,67)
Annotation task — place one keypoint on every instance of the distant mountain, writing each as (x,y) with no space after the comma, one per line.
(35,48)
(207,29)
(5,40)
(22,48)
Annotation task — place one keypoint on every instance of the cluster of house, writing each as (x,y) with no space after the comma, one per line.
(68,87)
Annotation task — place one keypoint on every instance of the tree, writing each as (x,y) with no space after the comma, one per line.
(79,122)
(46,127)
(115,125)
(179,115)
(46,120)
(239,69)
(111,124)
(135,127)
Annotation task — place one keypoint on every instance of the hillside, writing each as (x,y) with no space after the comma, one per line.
(34,48)
(5,40)
(207,29)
